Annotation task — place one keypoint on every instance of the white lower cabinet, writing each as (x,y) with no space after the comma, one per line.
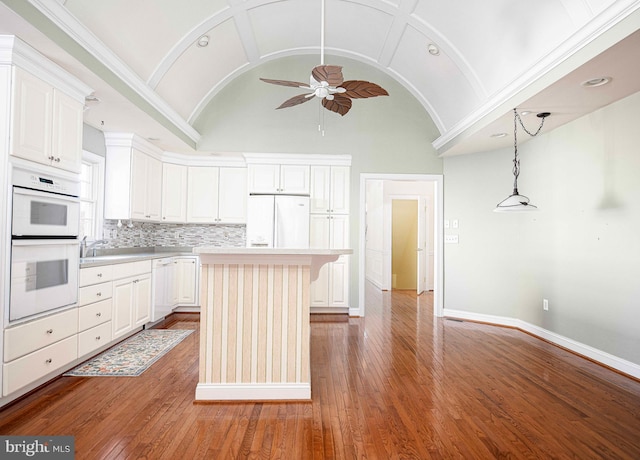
(28,337)
(330,291)
(131,298)
(36,349)
(23,371)
(186,280)
(94,338)
(95,308)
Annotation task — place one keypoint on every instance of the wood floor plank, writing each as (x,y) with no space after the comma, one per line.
(396,384)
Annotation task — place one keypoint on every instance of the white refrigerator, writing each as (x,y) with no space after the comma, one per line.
(278,221)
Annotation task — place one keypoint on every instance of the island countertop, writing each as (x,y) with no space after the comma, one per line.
(271,251)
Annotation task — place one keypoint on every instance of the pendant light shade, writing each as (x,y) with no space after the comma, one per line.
(516,202)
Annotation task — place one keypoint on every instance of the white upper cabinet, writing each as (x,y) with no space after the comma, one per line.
(146,186)
(217,195)
(67,132)
(47,123)
(174,193)
(232,196)
(329,189)
(276,178)
(133,179)
(202,195)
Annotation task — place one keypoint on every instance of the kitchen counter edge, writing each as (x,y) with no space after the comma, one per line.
(124,258)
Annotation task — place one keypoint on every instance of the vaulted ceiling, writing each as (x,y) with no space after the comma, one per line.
(467,63)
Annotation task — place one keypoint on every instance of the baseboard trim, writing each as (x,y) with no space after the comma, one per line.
(621,365)
(253,391)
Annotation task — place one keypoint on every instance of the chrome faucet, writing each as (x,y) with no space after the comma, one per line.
(84,248)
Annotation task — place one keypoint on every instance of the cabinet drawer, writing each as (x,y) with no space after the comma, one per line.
(33,366)
(94,293)
(28,337)
(94,275)
(94,314)
(132,269)
(94,338)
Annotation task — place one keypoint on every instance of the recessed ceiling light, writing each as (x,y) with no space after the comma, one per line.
(433,50)
(599,81)
(153,139)
(524,113)
(499,135)
(203,41)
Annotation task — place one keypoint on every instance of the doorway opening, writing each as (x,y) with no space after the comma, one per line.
(419,200)
(409,244)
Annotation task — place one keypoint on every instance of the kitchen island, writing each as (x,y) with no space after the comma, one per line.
(254,323)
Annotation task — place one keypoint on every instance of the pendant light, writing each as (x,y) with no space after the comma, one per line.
(516,202)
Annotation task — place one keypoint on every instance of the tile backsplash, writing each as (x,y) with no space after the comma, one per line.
(147,234)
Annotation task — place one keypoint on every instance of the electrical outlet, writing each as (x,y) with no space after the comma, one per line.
(545,304)
(451,239)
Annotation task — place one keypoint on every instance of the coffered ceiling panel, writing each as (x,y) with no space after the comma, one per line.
(282,27)
(199,69)
(431,77)
(142,32)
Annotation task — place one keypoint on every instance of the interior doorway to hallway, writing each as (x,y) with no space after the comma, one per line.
(377,193)
(410,244)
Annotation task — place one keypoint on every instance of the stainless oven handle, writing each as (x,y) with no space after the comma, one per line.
(53,195)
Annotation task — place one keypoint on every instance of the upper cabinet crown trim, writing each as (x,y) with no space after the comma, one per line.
(298,158)
(14,51)
(134,141)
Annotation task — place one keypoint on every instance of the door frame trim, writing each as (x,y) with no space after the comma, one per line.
(438,228)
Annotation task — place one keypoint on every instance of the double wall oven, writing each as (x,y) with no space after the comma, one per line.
(44,243)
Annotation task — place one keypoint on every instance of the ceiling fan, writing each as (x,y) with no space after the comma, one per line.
(327,83)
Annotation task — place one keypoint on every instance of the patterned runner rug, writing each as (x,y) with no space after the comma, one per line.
(133,356)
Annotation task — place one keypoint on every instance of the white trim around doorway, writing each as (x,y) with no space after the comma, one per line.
(438,281)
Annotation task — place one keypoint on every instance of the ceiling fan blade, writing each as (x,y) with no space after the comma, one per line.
(358,89)
(332,74)
(295,100)
(339,104)
(295,84)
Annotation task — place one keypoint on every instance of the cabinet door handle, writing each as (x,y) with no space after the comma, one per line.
(98,314)
(49,331)
(99,275)
(99,294)
(98,338)
(57,160)
(48,361)
(51,157)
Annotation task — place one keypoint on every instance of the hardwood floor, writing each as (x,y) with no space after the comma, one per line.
(396,384)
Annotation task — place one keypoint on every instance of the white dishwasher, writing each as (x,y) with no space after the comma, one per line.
(163,281)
